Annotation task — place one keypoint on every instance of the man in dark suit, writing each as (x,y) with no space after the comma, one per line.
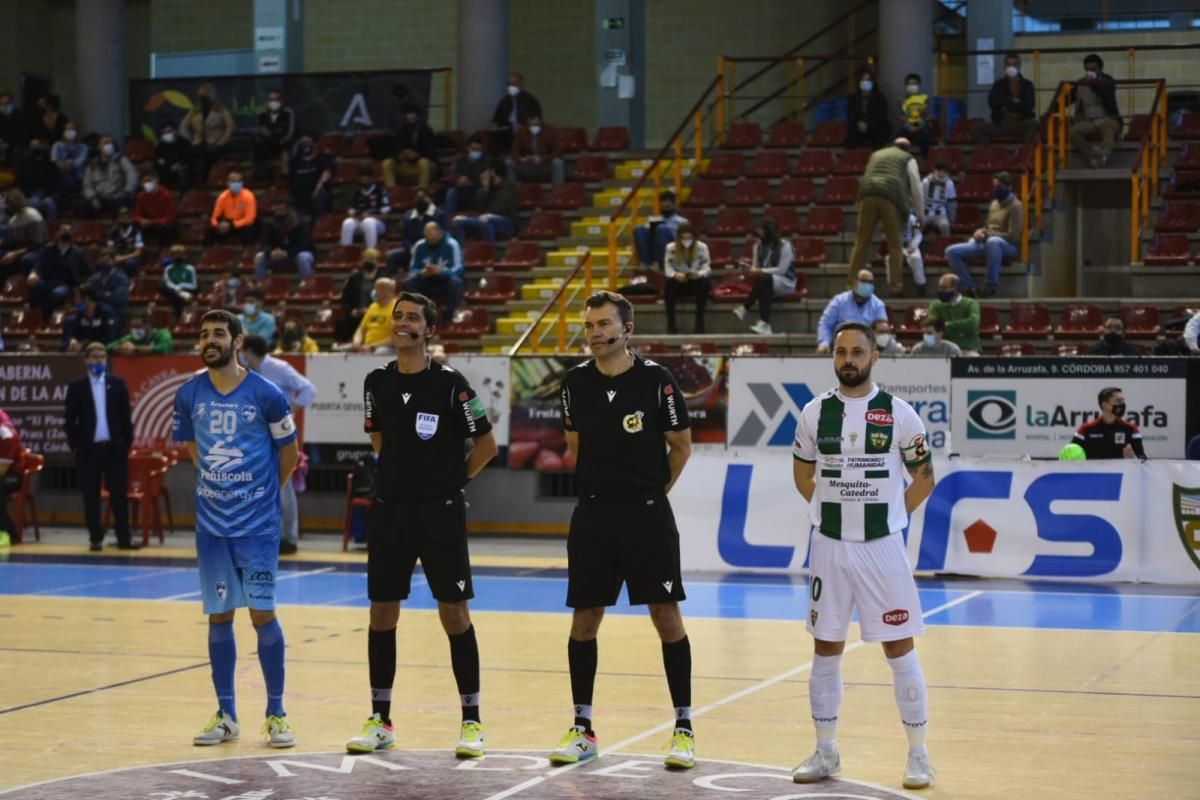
(513,110)
(100,432)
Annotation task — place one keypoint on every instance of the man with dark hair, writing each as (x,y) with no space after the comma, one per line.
(1013,101)
(286,241)
(418,415)
(416,151)
(235,214)
(1096,112)
(853,445)
(535,154)
(1110,435)
(93,322)
(627,427)
(99,428)
(933,341)
(241,436)
(310,176)
(1113,342)
(59,268)
(468,176)
(513,110)
(255,319)
(143,339)
(651,239)
(997,240)
(501,206)
(273,135)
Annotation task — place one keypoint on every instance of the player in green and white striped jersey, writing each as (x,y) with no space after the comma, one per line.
(853,447)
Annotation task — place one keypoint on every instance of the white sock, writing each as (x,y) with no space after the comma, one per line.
(825,697)
(912,700)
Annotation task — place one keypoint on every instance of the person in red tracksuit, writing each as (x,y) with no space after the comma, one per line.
(12,469)
(1109,435)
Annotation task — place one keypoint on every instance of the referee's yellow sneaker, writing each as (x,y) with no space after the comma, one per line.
(470,742)
(683,750)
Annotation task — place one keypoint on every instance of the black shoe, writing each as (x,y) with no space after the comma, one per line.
(287,549)
(988,291)
(95,547)
(129,545)
(922,290)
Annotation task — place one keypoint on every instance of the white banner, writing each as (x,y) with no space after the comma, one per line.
(1033,406)
(336,417)
(1096,521)
(766,396)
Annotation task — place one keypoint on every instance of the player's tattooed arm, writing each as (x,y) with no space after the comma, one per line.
(921,486)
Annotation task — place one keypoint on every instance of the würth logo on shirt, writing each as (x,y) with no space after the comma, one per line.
(897,617)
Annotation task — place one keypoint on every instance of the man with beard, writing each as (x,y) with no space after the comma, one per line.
(850,444)
(627,425)
(240,434)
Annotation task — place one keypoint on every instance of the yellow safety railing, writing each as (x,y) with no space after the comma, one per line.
(559,304)
(1143,178)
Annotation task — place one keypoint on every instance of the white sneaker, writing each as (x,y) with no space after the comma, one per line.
(739,312)
(470,741)
(817,767)
(683,750)
(575,746)
(762,328)
(279,732)
(375,736)
(221,728)
(919,773)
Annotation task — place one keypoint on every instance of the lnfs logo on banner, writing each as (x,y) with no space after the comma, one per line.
(773,414)
(1187,520)
(991,414)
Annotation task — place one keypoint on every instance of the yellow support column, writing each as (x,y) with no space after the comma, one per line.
(1134,230)
(1025,213)
(612,256)
(698,123)
(1037,185)
(562,322)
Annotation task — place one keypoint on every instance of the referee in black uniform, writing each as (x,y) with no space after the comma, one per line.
(1110,435)
(627,425)
(418,414)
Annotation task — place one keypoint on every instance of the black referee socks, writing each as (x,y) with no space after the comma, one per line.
(464,658)
(677,661)
(381,656)
(582,658)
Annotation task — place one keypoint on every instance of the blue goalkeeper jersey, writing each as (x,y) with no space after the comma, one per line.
(237,436)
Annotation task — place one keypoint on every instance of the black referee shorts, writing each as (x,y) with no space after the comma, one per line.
(623,540)
(434,530)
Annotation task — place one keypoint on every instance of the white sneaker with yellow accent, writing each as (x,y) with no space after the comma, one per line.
(279,732)
(221,728)
(683,750)
(470,742)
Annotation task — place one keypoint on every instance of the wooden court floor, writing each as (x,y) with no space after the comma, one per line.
(94,684)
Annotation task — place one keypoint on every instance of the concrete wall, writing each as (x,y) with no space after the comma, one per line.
(183,25)
(553,43)
(379,34)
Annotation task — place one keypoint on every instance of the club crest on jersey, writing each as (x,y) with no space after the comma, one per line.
(633,422)
(853,437)
(812,616)
(879,440)
(426,425)
(221,590)
(877,416)
(249,413)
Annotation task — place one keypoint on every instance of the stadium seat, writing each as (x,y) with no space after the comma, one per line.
(1141,322)
(830,133)
(808,251)
(933,249)
(451,142)
(742,136)
(144,289)
(733,222)
(1139,126)
(1178,216)
(786,135)
(1016,349)
(531,194)
(824,221)
(989,158)
(139,150)
(1028,321)
(749,192)
(706,194)
(567,196)
(328,228)
(609,139)
(341,258)
(951,154)
(814,163)
(332,143)
(1069,349)
(1189,156)
(520,256)
(572,140)
(1184,184)
(589,168)
(1188,127)
(468,323)
(402,197)
(795,192)
(697,349)
(196,202)
(989,322)
(54,325)
(324,321)
(785,219)
(734,287)
(975,188)
(218,175)
(961,132)
(852,162)
(14,292)
(769,165)
(492,290)
(189,321)
(276,288)
(1021,161)
(1081,320)
(839,192)
(720,252)
(914,317)
(479,255)
(216,258)
(544,225)
(726,166)
(968,219)
(1169,249)
(314,289)
(88,232)
(751,349)
(22,322)
(799,293)
(649,348)
(345,172)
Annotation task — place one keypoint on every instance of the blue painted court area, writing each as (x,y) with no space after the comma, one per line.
(974,604)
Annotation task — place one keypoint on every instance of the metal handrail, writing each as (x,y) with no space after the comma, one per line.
(1143,177)
(559,299)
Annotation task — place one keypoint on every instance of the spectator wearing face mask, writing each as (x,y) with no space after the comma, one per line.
(230,291)
(687,267)
(1113,342)
(357,294)
(914,114)
(156,213)
(287,241)
(125,240)
(536,154)
(885,340)
(273,134)
(501,205)
(310,175)
(933,341)
(959,313)
(1096,113)
(771,264)
(1014,106)
(26,235)
(468,174)
(234,216)
(416,151)
(941,199)
(143,339)
(868,121)
(368,209)
(651,239)
(49,122)
(295,340)
(437,269)
(1110,435)
(109,181)
(423,212)
(14,130)
(997,241)
(91,321)
(853,305)
(173,158)
(256,320)
(111,286)
(59,268)
(179,283)
(890,189)
(37,176)
(209,127)
(70,156)
(513,111)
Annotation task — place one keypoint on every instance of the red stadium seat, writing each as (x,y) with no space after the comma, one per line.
(852,162)
(520,255)
(567,196)
(706,194)
(951,154)
(1188,127)
(647,277)
(328,228)
(1028,321)
(824,221)
(785,219)
(450,142)
(1069,349)
(720,252)
(742,136)
(1139,126)
(698,349)
(1141,322)
(609,139)
(1081,320)
(975,189)
(469,323)
(749,192)
(324,321)
(968,219)
(196,202)
(1183,185)
(828,134)
(961,133)
(139,150)
(914,318)
(54,325)
(332,143)
(572,140)
(14,292)
(786,135)
(1169,249)
(808,251)
(734,287)
(934,249)
(726,166)
(589,168)
(769,165)
(1189,156)
(649,348)
(751,349)
(814,162)
(87,232)
(531,194)
(479,255)
(345,172)
(544,225)
(839,192)
(733,222)
(989,158)
(341,258)
(276,288)
(314,289)
(189,322)
(989,322)
(492,290)
(1022,160)
(1016,349)
(144,289)
(216,258)
(402,197)
(1178,216)
(22,322)
(795,192)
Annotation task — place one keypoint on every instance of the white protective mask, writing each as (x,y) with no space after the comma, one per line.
(274,105)
(686,242)
(866,86)
(150,186)
(513,91)
(883,340)
(168,137)
(1091,75)
(930,339)
(912,88)
(70,134)
(535,129)
(1012,72)
(107,148)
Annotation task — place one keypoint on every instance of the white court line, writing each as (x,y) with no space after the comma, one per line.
(151,574)
(287,576)
(724,701)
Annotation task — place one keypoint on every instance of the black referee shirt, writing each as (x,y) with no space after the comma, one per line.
(1099,439)
(424,418)
(621,422)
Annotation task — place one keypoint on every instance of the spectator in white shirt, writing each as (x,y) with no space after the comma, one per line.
(1191,333)
(687,267)
(941,199)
